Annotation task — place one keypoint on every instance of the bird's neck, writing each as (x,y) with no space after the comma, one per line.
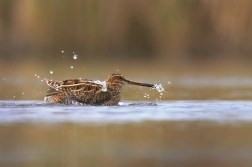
(114,88)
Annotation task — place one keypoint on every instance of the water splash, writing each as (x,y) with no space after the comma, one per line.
(51,72)
(75,56)
(120,103)
(47,99)
(159,87)
(103,83)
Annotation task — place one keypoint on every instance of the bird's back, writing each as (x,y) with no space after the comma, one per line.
(79,90)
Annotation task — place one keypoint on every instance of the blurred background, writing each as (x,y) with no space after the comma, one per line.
(197,49)
(187,43)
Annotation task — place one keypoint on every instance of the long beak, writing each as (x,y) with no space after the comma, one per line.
(139,83)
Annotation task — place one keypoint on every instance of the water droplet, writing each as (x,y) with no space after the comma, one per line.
(51,72)
(75,56)
(71,66)
(159,87)
(103,83)
(146,95)
(14,96)
(22,93)
(42,80)
(73,52)
(169,82)
(62,51)
(37,76)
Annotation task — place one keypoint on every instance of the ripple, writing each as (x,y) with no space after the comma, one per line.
(38,111)
(143,104)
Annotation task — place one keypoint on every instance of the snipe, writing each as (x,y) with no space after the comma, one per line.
(88,91)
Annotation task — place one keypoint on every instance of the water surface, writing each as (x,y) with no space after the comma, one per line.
(39,111)
(135,133)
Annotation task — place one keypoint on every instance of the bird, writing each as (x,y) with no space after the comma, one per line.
(89,92)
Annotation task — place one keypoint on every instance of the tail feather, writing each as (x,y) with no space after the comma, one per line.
(53,84)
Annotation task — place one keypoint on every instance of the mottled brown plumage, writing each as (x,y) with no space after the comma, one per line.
(88,91)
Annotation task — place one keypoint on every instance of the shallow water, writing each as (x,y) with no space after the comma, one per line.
(41,112)
(148,133)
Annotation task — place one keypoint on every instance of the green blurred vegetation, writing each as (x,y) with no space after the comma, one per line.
(176,29)
(151,41)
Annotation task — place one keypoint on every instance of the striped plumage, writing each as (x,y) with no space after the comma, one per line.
(88,91)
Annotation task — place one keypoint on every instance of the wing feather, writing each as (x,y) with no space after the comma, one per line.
(81,90)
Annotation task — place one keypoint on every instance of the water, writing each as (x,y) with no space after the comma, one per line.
(174,132)
(159,87)
(75,56)
(134,133)
(39,111)
(102,83)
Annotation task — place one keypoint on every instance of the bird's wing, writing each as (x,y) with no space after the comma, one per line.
(70,82)
(74,85)
(84,91)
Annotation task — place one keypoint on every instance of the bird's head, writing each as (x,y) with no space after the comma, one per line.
(119,79)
